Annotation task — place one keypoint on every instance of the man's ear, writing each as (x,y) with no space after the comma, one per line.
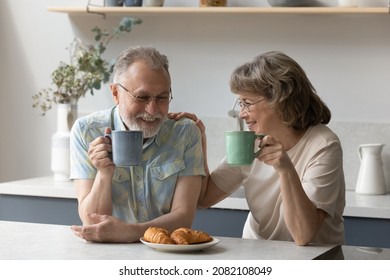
(114,92)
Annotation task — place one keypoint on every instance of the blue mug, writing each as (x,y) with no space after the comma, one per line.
(126,147)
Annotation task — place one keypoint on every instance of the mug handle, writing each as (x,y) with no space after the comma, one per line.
(108,135)
(360,152)
(260,136)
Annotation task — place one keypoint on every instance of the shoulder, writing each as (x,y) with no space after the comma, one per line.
(320,139)
(317,139)
(95,120)
(183,130)
(182,125)
(322,133)
(92,125)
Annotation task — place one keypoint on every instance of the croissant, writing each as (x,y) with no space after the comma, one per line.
(185,236)
(158,235)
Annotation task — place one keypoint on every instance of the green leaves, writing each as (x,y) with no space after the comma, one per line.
(87,70)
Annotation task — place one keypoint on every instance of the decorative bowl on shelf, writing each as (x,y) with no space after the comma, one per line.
(213,3)
(297,3)
(153,3)
(373,3)
(113,3)
(348,3)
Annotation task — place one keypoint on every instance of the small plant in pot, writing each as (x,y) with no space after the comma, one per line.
(86,71)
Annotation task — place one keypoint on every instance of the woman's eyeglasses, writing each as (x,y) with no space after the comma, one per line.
(246,106)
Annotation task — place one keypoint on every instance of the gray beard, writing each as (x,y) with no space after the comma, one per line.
(148,132)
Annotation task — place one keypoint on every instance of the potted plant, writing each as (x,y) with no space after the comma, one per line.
(86,71)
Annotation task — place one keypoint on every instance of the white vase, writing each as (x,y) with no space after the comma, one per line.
(60,145)
(371,179)
(348,3)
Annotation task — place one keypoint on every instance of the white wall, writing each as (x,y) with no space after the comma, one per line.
(346,56)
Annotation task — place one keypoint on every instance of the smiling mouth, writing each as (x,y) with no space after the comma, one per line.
(150,120)
(250,125)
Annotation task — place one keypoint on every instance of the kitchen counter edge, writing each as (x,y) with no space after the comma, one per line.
(357,205)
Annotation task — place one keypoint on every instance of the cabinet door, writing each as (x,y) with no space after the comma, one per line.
(220,222)
(367,232)
(44,210)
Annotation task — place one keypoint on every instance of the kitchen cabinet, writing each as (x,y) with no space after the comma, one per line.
(36,209)
(368,232)
(39,200)
(359,231)
(217,10)
(42,200)
(220,222)
(63,211)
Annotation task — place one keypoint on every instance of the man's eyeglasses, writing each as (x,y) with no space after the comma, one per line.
(163,99)
(246,106)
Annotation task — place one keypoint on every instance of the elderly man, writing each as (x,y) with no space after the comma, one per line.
(118,204)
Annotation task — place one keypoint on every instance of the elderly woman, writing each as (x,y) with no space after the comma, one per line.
(295,188)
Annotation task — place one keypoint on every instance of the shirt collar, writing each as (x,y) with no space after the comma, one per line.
(118,124)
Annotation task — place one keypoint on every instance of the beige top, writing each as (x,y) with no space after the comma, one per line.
(317,158)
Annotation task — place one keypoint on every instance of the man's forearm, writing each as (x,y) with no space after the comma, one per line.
(99,199)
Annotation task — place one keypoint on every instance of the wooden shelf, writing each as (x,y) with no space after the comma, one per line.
(217,10)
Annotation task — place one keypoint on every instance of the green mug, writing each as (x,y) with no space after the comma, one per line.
(240,146)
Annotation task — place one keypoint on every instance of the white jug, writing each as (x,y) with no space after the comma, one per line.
(371,179)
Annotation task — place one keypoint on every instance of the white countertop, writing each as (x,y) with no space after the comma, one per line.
(357,205)
(28,241)
(42,186)
(368,206)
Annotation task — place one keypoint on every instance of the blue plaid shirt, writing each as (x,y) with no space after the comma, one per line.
(144,192)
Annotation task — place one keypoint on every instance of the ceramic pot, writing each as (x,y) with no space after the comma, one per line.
(60,141)
(373,3)
(213,3)
(371,178)
(133,3)
(297,3)
(114,3)
(348,3)
(153,3)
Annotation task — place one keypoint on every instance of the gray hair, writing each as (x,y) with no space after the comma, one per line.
(149,55)
(284,84)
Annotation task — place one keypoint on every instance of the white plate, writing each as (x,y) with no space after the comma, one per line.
(181,248)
